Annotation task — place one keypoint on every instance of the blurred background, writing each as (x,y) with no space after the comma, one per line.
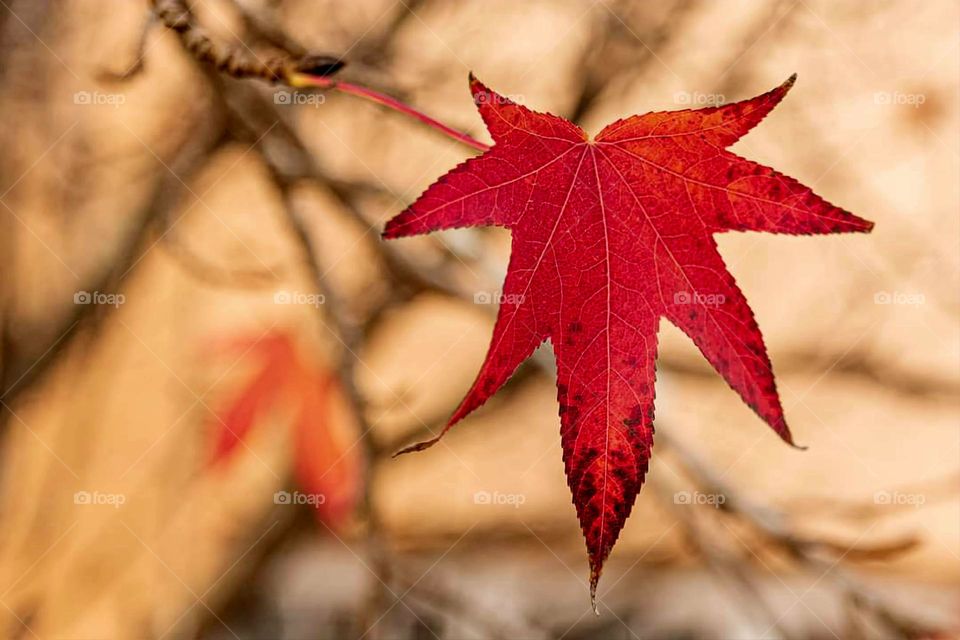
(208,354)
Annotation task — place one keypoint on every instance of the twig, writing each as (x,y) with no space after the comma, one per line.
(297,72)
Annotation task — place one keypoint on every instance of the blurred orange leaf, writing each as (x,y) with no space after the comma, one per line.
(328,463)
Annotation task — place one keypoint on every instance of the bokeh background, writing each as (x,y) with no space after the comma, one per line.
(189,257)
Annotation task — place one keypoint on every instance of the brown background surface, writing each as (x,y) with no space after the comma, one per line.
(871,388)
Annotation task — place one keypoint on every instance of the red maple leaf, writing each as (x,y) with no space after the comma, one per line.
(608,236)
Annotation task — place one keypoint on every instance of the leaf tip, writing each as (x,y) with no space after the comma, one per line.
(594,579)
(784,88)
(397,227)
(475,84)
(417,446)
(787,437)
(477,88)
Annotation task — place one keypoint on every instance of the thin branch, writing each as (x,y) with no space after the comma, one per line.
(295,71)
